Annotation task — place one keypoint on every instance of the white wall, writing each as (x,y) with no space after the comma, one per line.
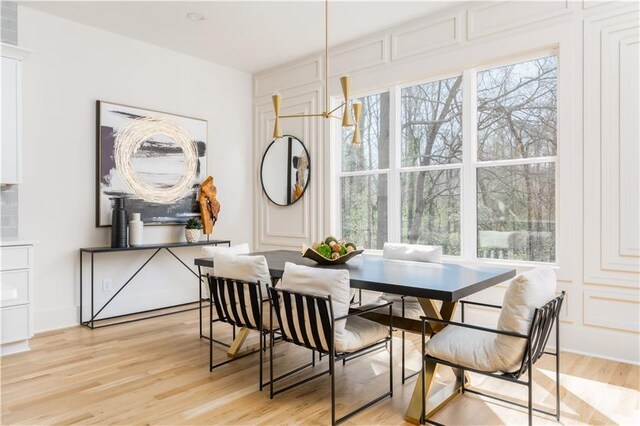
(598,255)
(73,66)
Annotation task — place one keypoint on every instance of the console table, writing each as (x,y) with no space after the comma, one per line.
(157,248)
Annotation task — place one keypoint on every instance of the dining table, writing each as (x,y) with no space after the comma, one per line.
(429,283)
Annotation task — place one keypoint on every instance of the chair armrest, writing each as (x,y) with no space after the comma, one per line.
(487,305)
(364,309)
(475,327)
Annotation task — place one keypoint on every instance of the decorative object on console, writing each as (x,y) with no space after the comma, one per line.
(209,204)
(135,230)
(193,230)
(331,251)
(156,160)
(118,224)
(345,83)
(284,172)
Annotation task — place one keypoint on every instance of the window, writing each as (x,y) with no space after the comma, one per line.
(516,153)
(363,181)
(431,146)
(416,176)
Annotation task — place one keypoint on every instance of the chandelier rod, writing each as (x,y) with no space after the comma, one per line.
(326,56)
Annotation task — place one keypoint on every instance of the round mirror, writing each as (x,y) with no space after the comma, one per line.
(285,170)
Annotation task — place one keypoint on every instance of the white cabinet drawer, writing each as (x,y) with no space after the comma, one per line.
(14,258)
(15,324)
(15,287)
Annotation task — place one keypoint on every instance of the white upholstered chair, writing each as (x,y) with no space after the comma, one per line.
(239,295)
(528,313)
(406,306)
(312,310)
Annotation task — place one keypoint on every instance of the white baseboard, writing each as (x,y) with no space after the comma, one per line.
(14,347)
(55,318)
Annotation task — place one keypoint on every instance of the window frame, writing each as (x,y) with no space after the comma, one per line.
(468,167)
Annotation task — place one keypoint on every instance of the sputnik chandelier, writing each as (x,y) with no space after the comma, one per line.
(345,82)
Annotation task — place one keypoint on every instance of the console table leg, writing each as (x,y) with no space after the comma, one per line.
(80,287)
(92,315)
(200,297)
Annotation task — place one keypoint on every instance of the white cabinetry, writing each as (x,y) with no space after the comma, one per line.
(16,278)
(10,154)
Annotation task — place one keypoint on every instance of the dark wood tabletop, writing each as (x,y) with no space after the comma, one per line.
(441,281)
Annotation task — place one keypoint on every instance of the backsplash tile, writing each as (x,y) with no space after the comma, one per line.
(9,212)
(9,22)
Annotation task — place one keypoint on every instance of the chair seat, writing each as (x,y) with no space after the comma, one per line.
(412,308)
(360,333)
(473,349)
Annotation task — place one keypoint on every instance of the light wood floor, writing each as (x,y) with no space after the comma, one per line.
(156,372)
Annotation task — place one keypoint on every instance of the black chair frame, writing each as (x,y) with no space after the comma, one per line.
(325,310)
(235,317)
(543,321)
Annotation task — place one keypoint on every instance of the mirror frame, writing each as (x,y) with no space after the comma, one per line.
(304,190)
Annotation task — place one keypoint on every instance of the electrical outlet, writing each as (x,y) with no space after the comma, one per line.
(106,284)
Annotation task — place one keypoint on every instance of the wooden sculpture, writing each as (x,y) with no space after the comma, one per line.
(209,205)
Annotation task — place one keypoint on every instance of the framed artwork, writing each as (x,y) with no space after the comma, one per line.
(158,162)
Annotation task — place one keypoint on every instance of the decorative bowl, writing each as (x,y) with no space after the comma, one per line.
(310,253)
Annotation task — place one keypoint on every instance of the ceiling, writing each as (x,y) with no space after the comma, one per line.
(245,35)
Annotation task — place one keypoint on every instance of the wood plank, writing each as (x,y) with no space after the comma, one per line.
(156,372)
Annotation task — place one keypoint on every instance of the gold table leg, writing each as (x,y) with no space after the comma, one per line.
(238,342)
(439,399)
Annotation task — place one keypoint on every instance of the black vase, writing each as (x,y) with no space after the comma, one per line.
(119,224)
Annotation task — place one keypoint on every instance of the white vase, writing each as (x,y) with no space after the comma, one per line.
(193,235)
(135,230)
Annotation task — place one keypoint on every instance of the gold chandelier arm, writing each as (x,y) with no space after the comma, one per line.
(301,115)
(336,108)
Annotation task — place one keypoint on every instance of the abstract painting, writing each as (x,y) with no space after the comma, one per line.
(158,162)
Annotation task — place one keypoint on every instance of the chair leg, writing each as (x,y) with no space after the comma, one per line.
(391,353)
(462,371)
(271,363)
(421,377)
(332,366)
(210,335)
(403,377)
(261,338)
(530,388)
(557,369)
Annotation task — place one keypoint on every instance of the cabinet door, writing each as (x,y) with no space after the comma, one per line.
(10,149)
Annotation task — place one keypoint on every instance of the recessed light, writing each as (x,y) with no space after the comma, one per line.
(195,16)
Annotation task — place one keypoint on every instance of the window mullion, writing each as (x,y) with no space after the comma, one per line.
(394,226)
(469,153)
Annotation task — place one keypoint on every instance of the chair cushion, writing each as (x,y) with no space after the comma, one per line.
(319,282)
(412,308)
(411,252)
(414,252)
(489,351)
(209,251)
(359,333)
(526,292)
(470,348)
